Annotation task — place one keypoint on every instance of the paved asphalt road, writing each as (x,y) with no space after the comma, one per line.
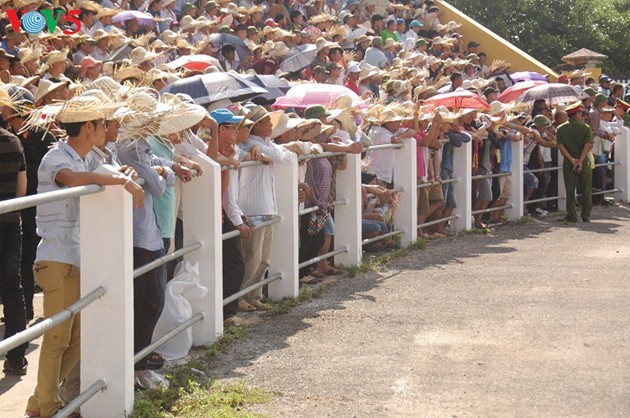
(531,320)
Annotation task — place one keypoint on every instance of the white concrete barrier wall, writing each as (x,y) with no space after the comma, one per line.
(107,251)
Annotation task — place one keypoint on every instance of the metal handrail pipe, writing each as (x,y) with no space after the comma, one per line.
(251,288)
(166,258)
(168,336)
(607,164)
(436,183)
(244,164)
(488,210)
(47,324)
(437,221)
(382,237)
(545,199)
(20,203)
(606,192)
(236,232)
(384,146)
(308,210)
(397,190)
(542,170)
(322,257)
(83,397)
(490,176)
(320,155)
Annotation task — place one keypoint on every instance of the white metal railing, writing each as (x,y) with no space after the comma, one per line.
(107,254)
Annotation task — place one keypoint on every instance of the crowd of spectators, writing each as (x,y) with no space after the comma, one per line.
(93,107)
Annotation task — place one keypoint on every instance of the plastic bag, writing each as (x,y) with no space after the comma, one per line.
(182,289)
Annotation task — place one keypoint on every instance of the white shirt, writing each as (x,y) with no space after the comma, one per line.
(191,145)
(230,199)
(257,192)
(381,161)
(410,40)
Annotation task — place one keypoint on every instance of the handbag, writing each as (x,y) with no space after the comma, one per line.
(316,222)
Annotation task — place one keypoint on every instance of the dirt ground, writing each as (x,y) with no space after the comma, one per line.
(530,320)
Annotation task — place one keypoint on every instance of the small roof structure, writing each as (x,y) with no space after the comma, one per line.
(582,56)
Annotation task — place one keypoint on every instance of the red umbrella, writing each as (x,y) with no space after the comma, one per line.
(456,100)
(514,92)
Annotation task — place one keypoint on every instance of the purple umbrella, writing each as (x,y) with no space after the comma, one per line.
(144,19)
(527,76)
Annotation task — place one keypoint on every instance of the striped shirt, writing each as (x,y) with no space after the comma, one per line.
(12,162)
(257,195)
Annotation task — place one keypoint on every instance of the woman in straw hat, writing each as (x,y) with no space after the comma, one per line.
(58,257)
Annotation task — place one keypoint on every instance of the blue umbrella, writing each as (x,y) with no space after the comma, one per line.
(208,88)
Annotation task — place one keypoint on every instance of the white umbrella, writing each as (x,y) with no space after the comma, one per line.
(302,57)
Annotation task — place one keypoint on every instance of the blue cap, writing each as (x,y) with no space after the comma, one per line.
(400,21)
(223,116)
(415,23)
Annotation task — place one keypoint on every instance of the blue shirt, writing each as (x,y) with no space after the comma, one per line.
(138,154)
(456,139)
(58,222)
(15,51)
(165,205)
(506,154)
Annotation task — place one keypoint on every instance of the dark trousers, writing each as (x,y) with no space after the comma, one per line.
(146,302)
(233,267)
(30,240)
(309,244)
(11,288)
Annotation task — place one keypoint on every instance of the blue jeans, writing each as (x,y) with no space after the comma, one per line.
(11,287)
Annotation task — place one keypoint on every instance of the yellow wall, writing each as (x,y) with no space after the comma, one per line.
(492,44)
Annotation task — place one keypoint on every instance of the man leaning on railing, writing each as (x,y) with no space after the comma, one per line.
(69,164)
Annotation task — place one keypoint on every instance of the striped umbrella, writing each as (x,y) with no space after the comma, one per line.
(553,94)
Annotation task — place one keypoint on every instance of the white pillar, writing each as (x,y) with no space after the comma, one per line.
(348,216)
(106,325)
(284,254)
(405,169)
(516,212)
(562,190)
(622,172)
(201,204)
(462,169)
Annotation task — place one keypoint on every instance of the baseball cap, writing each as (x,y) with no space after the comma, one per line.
(415,23)
(224,116)
(473,44)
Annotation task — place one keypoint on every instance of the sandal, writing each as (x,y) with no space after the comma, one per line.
(155,361)
(333,272)
(316,274)
(244,306)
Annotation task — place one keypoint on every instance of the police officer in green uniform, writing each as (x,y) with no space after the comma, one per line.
(575,141)
(623,106)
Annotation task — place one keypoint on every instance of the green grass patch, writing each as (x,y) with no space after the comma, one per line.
(524,220)
(306,294)
(420,244)
(230,334)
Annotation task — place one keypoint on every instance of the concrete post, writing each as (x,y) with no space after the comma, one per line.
(462,169)
(284,255)
(106,328)
(348,216)
(517,182)
(622,172)
(201,205)
(405,169)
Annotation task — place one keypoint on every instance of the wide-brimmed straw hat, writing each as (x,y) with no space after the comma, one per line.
(46,87)
(282,123)
(182,116)
(140,55)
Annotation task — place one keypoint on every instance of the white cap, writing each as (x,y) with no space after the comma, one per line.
(354,69)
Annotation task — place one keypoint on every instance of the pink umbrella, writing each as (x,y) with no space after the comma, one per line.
(455,100)
(194,62)
(303,95)
(514,92)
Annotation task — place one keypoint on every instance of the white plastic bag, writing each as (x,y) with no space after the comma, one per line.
(182,289)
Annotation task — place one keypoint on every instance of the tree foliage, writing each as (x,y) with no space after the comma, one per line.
(548,30)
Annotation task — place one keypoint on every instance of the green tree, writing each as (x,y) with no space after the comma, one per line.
(548,30)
